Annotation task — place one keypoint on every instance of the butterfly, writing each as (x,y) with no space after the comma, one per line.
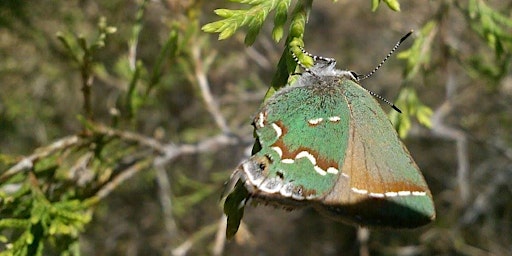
(326,143)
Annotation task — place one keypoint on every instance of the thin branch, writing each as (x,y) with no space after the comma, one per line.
(134,39)
(363,236)
(87,78)
(211,104)
(87,81)
(131,136)
(183,249)
(208,145)
(164,194)
(259,58)
(405,250)
(167,152)
(485,197)
(220,236)
(440,128)
(29,161)
(123,176)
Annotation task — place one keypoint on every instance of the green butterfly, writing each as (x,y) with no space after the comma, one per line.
(327,144)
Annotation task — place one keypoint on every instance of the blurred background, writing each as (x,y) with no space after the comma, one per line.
(139,117)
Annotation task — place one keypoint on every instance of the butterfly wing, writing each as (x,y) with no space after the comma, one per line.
(303,132)
(380,184)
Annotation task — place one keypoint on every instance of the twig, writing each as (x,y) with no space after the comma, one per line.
(220,237)
(87,80)
(164,194)
(134,39)
(211,104)
(363,236)
(80,171)
(485,198)
(440,128)
(167,153)
(405,250)
(29,161)
(259,58)
(131,136)
(211,144)
(198,236)
(123,176)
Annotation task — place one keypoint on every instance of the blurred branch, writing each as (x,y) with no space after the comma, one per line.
(483,202)
(28,162)
(183,249)
(87,80)
(363,236)
(440,128)
(123,176)
(259,58)
(82,52)
(130,136)
(208,145)
(134,39)
(166,152)
(220,236)
(200,75)
(164,194)
(169,50)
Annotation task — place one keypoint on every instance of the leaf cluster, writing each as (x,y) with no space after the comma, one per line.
(37,221)
(489,24)
(47,198)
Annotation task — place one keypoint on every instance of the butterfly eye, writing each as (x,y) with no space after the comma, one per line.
(355,76)
(264,162)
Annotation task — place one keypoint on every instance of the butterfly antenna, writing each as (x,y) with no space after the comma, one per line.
(383,99)
(296,59)
(314,57)
(359,77)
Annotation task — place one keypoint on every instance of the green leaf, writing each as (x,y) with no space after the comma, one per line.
(234,208)
(411,106)
(393,5)
(492,26)
(254,28)
(375,5)
(168,51)
(14,223)
(287,65)
(418,55)
(252,18)
(424,115)
(280,19)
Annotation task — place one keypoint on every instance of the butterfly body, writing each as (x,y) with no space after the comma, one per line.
(326,143)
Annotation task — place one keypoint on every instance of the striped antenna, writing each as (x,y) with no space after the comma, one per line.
(315,59)
(296,59)
(356,76)
(359,77)
(383,99)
